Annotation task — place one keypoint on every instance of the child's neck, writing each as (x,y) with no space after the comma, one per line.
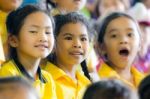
(30,64)
(68,69)
(125,73)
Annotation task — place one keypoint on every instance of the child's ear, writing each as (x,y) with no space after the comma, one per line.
(13,40)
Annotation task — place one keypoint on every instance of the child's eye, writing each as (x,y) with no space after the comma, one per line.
(83,39)
(113,36)
(48,32)
(33,31)
(68,38)
(130,34)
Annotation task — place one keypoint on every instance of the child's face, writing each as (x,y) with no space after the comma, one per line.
(36,37)
(70,5)
(107,6)
(72,44)
(15,91)
(121,42)
(9,5)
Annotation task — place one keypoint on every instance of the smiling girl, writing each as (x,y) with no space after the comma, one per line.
(31,39)
(71,49)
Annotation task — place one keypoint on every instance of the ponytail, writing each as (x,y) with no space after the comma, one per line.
(85,70)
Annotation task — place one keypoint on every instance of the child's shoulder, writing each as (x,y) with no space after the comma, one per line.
(8,69)
(8,64)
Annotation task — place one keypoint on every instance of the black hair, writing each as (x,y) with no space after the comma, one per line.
(105,22)
(108,89)
(60,21)
(15,79)
(73,17)
(144,88)
(15,21)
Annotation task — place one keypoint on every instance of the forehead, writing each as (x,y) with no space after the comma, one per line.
(39,18)
(122,23)
(74,28)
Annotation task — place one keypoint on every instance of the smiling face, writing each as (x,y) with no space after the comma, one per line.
(70,5)
(72,44)
(107,6)
(121,42)
(35,39)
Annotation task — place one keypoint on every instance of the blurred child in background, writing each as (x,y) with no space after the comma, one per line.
(6,6)
(66,6)
(109,89)
(144,88)
(142,62)
(16,88)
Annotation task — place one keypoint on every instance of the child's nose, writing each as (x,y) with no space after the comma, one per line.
(43,37)
(124,40)
(77,44)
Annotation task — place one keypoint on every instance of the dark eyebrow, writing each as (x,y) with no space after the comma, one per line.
(67,34)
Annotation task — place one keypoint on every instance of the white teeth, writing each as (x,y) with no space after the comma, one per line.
(41,46)
(76,53)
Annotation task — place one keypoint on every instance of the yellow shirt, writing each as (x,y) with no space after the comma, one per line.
(46,89)
(106,71)
(3,30)
(2,58)
(3,34)
(67,88)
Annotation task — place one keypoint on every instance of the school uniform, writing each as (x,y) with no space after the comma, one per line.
(2,58)
(44,83)
(3,30)
(66,87)
(3,34)
(106,71)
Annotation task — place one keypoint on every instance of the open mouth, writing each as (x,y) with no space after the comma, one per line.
(124,52)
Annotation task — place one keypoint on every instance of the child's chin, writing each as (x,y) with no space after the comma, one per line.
(42,56)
